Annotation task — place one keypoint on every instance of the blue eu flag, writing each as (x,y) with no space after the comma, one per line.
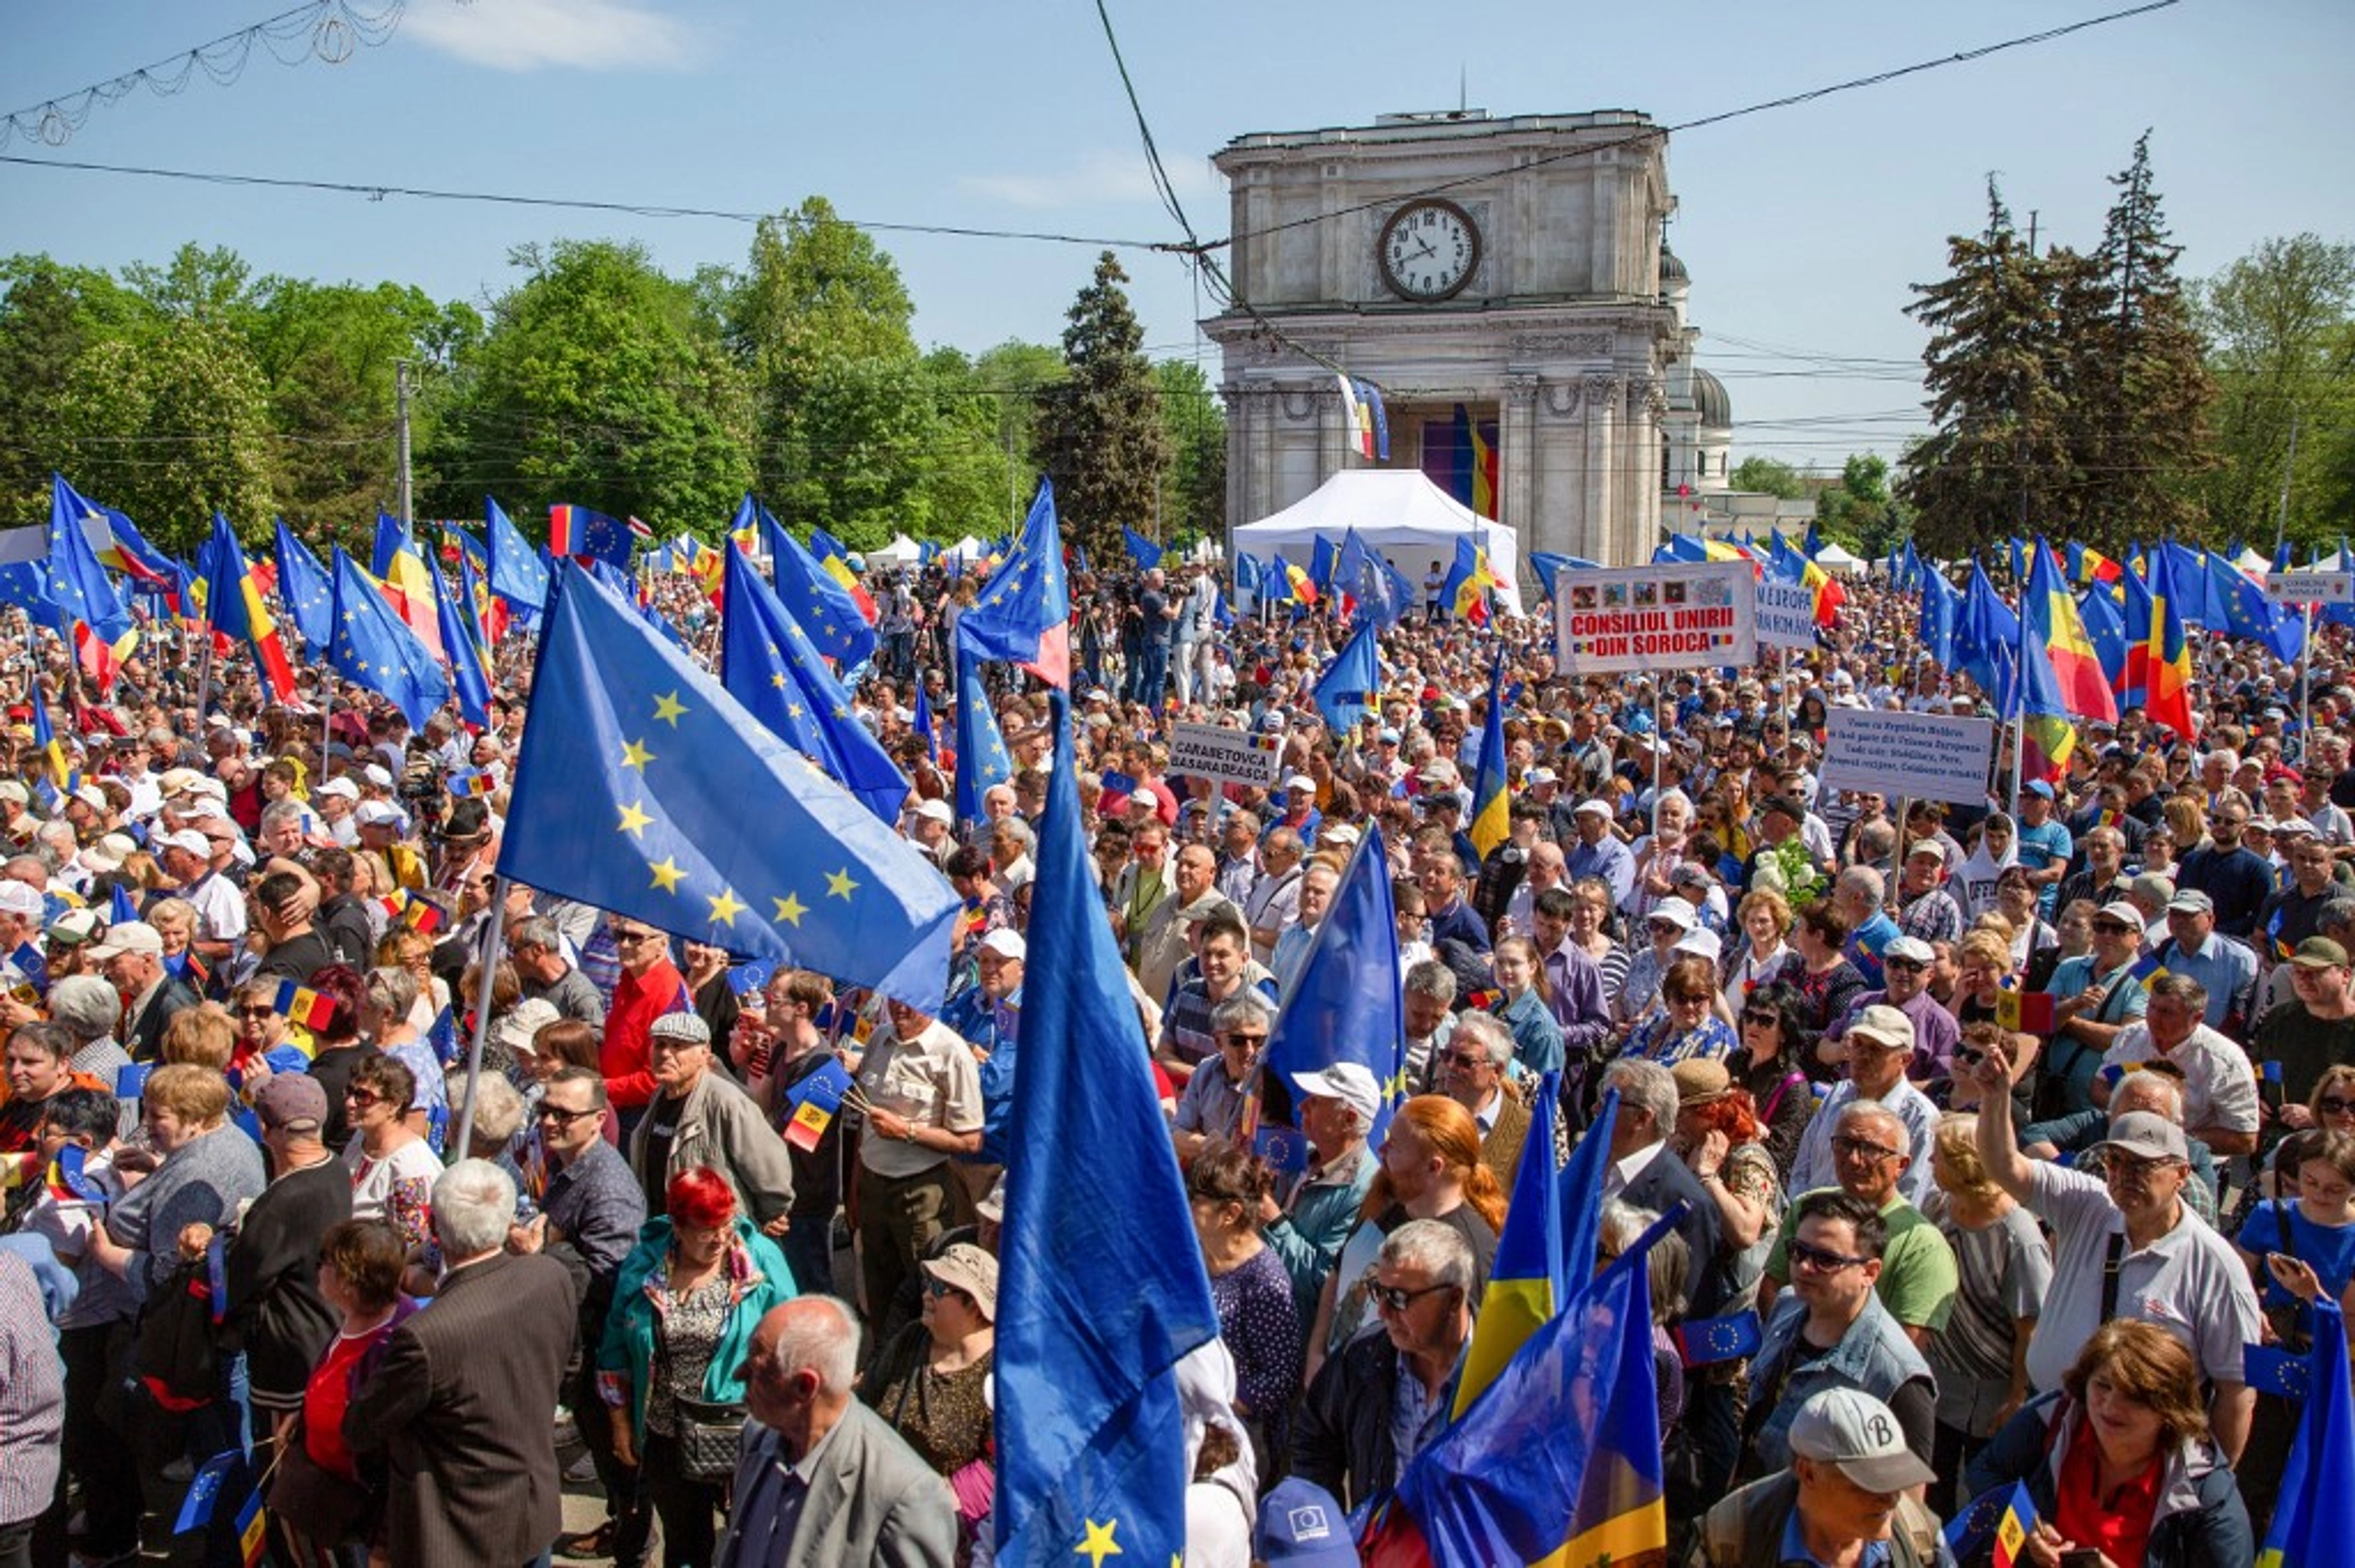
(1344,1003)
(78,586)
(1142,550)
(643,787)
(302,584)
(1353,677)
(1024,611)
(459,641)
(768,664)
(375,648)
(1098,1300)
(514,571)
(816,599)
(981,759)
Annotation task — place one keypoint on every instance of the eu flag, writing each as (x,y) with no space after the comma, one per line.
(1367,577)
(822,607)
(1559,1460)
(1344,1004)
(78,585)
(1349,684)
(1142,550)
(1097,1301)
(514,571)
(981,759)
(375,648)
(645,788)
(2314,1517)
(1024,614)
(768,664)
(923,725)
(1941,608)
(304,587)
(462,646)
(587,536)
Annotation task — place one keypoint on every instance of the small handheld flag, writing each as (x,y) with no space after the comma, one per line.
(304,1006)
(815,1101)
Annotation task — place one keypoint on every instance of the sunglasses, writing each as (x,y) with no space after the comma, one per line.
(634,938)
(1765,1020)
(1393,1299)
(1239,1039)
(257,1012)
(561,1116)
(363,1098)
(1910,965)
(1821,1259)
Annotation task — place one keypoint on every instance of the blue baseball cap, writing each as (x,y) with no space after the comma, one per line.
(1301,1523)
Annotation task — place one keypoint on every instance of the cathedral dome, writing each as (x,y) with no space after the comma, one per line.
(1709,395)
(1671,270)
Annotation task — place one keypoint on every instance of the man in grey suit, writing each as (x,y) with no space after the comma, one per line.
(822,1480)
(470,1435)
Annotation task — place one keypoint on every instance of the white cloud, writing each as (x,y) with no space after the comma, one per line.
(1098,177)
(531,35)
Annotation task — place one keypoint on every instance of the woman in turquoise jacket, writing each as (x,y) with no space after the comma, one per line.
(684,1307)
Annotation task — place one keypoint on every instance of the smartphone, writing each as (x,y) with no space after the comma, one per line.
(2081,1557)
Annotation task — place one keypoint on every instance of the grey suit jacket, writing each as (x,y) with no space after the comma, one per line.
(872,1501)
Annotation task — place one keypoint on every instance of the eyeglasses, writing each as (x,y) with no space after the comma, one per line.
(1860,1148)
(2332,1105)
(1761,1017)
(363,1098)
(1701,1000)
(560,1116)
(257,1012)
(1821,1259)
(1242,1039)
(936,1288)
(1909,966)
(1393,1299)
(1467,1060)
(2112,928)
(633,938)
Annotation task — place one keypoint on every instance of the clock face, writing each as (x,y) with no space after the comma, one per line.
(1429,250)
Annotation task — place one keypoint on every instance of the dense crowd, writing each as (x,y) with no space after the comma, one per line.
(2015,1121)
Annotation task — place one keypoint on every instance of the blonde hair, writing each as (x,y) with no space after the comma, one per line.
(1956,1140)
(195,1095)
(203,1035)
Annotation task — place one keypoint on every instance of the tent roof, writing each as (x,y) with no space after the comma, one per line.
(902,548)
(1396,511)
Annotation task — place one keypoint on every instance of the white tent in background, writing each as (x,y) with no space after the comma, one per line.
(966,551)
(1396,511)
(902,552)
(2251,561)
(1832,558)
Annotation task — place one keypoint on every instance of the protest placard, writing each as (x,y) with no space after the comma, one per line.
(1230,756)
(1926,756)
(1679,615)
(1785,614)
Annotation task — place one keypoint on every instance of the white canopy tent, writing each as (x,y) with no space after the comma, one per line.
(1397,511)
(1832,558)
(902,552)
(2251,561)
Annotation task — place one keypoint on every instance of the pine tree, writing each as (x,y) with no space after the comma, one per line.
(1998,460)
(2140,390)
(1099,433)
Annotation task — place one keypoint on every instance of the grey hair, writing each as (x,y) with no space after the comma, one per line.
(1644,1084)
(85,1004)
(536,931)
(394,989)
(2337,912)
(1245,1006)
(825,1342)
(1439,1251)
(1431,978)
(1488,1031)
(474,1205)
(498,1110)
(2136,1087)
(1865,881)
(1873,1110)
(1668,1266)
(279,811)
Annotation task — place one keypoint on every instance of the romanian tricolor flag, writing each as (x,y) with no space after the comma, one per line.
(2051,624)
(1529,1264)
(302,1006)
(232,603)
(1557,1462)
(406,581)
(835,560)
(67,1183)
(2166,666)
(1491,808)
(45,741)
(1302,586)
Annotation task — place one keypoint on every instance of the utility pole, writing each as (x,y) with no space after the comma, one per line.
(2281,508)
(400,420)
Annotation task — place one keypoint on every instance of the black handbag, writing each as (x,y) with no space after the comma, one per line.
(709,1431)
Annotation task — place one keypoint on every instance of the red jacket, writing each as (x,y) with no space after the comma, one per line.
(638,1001)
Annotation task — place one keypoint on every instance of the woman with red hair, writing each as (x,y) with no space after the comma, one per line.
(684,1307)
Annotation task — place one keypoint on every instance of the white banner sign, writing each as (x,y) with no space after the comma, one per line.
(1927,756)
(2311,588)
(1680,615)
(1785,615)
(1231,756)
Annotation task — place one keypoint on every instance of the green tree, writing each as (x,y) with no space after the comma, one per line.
(1855,511)
(1100,434)
(172,429)
(1767,476)
(1194,498)
(1998,457)
(601,381)
(2277,325)
(1011,377)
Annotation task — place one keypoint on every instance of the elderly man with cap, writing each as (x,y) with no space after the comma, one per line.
(1601,852)
(275,1309)
(2098,995)
(384,830)
(2125,1244)
(1924,909)
(1848,1496)
(132,958)
(1879,1044)
(336,801)
(2225,968)
(1305,1228)
(1905,975)
(932,828)
(699,1118)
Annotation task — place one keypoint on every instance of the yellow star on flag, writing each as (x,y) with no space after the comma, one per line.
(667,875)
(1099,1543)
(668,709)
(725,907)
(839,884)
(634,819)
(790,908)
(636,755)
(792,710)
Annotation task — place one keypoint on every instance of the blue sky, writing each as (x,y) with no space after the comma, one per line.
(1802,227)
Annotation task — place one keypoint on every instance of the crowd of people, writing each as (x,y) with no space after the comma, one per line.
(2016,1122)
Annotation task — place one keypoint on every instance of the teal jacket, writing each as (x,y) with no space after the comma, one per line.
(760,1280)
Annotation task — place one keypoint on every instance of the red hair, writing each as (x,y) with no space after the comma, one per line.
(1732,1116)
(700,1199)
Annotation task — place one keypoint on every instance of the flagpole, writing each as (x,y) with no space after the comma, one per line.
(2019,697)
(493,944)
(2306,682)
